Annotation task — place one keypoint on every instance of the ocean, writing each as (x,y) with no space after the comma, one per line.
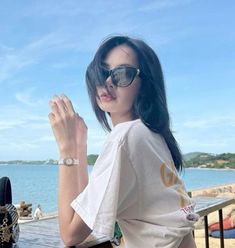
(37,184)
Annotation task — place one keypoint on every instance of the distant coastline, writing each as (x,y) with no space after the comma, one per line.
(30,162)
(199,160)
(209,160)
(30,183)
(209,168)
(90,159)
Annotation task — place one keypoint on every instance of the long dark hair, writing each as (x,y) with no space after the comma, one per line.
(150,104)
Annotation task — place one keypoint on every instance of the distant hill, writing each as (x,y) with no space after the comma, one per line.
(192,159)
(191,155)
(91,159)
(208,160)
(29,162)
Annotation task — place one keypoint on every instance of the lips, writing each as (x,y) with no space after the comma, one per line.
(105,95)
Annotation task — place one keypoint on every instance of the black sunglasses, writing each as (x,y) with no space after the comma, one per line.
(122,76)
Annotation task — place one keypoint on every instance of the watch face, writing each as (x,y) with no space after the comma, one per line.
(69,161)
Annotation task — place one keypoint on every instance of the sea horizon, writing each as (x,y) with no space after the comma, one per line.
(38,184)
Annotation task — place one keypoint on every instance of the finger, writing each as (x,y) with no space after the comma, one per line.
(68,104)
(54,108)
(51,117)
(60,104)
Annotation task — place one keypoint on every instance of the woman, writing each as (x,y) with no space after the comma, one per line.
(135,179)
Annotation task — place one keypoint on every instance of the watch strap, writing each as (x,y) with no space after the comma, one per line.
(68,161)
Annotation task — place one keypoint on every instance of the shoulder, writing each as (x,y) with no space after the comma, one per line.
(139,135)
(120,132)
(141,142)
(133,134)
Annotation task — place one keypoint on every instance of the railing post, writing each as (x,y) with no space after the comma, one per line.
(206,231)
(221,228)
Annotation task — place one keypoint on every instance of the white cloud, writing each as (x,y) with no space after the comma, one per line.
(14,60)
(37,126)
(11,63)
(203,143)
(162,4)
(23,146)
(96,135)
(8,124)
(213,134)
(211,143)
(61,65)
(14,116)
(14,113)
(26,97)
(209,122)
(74,37)
(70,9)
(43,139)
(4,48)
(196,124)
(46,138)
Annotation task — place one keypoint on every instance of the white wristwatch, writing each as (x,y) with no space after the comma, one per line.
(68,161)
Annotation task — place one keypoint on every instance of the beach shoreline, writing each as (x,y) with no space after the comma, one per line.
(223,190)
(45,216)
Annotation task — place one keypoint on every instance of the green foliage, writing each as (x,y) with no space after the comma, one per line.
(91,159)
(224,160)
(191,155)
(193,159)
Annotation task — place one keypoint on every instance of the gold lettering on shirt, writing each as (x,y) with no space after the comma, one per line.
(170,178)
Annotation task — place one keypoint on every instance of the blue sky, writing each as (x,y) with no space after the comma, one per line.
(45,47)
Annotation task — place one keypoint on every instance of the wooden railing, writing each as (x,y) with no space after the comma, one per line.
(206,205)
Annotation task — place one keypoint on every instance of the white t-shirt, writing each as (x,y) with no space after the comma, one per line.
(134,182)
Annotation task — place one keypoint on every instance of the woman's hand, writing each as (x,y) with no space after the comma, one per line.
(68,127)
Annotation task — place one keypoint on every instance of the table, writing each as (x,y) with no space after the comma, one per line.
(45,232)
(206,205)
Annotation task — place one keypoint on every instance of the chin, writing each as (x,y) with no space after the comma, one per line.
(106,108)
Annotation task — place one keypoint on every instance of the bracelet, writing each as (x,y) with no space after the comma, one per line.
(68,161)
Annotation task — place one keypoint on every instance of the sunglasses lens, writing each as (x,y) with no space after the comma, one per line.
(105,73)
(123,76)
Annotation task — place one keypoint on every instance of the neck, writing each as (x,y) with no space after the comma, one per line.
(119,119)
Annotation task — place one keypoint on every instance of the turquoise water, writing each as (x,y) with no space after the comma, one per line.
(38,183)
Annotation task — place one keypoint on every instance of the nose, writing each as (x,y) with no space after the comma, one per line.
(108,83)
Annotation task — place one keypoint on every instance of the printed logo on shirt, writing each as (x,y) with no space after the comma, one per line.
(188,209)
(189,212)
(170,178)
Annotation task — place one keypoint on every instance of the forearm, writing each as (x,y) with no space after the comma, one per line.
(72,181)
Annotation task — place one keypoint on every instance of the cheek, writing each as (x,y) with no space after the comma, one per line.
(127,95)
(131,91)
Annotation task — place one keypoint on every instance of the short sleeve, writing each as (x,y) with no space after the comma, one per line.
(98,203)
